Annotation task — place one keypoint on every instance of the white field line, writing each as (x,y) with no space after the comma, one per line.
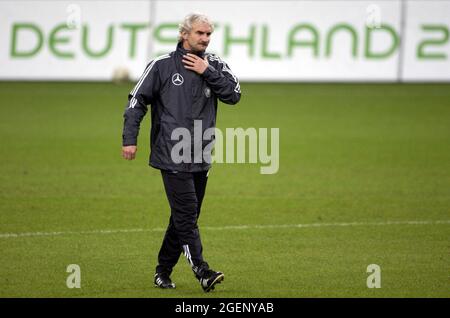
(224,228)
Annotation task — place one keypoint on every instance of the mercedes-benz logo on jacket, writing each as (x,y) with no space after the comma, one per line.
(177,79)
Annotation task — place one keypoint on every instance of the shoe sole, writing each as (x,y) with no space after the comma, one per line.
(157,286)
(218,280)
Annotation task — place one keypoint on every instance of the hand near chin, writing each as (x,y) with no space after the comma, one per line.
(194,63)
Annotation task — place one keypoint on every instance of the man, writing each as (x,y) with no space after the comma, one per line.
(182,88)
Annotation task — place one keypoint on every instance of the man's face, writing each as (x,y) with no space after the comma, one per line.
(198,39)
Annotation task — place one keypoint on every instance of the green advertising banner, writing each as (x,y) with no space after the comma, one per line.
(261,40)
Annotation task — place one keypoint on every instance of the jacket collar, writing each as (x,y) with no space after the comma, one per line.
(183,51)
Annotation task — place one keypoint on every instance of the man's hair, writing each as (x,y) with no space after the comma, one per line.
(190,19)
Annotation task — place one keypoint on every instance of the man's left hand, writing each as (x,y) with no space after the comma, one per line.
(194,63)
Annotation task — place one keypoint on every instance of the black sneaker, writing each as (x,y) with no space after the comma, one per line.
(210,278)
(162,280)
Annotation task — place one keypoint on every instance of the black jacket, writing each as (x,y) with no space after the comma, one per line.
(178,97)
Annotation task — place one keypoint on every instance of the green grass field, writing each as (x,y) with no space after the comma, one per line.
(376,154)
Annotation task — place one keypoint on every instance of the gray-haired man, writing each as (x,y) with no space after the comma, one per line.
(183,88)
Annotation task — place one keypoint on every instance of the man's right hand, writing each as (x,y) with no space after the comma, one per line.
(129,152)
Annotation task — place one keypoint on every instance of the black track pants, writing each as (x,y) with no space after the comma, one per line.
(185,192)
